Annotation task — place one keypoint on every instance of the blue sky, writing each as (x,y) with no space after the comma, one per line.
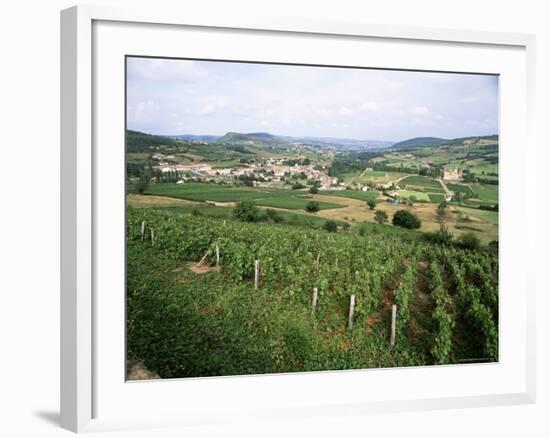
(168,96)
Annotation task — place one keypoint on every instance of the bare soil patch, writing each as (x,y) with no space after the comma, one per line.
(138,371)
(201,268)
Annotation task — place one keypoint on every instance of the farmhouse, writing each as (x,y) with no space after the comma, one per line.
(452,174)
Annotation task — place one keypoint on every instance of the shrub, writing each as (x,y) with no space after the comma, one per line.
(406,219)
(469,241)
(313,190)
(312,206)
(371,203)
(297,186)
(246,211)
(442,237)
(381,217)
(330,226)
(273,216)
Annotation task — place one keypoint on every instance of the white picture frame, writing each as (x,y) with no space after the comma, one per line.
(83,175)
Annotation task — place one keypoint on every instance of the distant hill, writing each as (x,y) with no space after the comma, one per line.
(138,141)
(192,137)
(252,137)
(418,142)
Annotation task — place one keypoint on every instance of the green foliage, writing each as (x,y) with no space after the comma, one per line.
(381,217)
(406,219)
(312,207)
(443,319)
(469,241)
(313,190)
(138,141)
(273,216)
(246,211)
(185,324)
(330,226)
(372,204)
(441,237)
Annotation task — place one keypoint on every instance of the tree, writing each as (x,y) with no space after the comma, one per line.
(330,226)
(313,190)
(246,211)
(143,182)
(297,186)
(440,212)
(469,241)
(312,207)
(381,217)
(406,219)
(371,203)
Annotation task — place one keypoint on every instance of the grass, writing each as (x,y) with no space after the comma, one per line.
(294,202)
(486,192)
(419,196)
(485,215)
(423,182)
(436,197)
(460,188)
(282,198)
(353,194)
(296,219)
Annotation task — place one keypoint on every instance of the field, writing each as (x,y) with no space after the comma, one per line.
(486,192)
(353,194)
(187,319)
(281,198)
(423,183)
(413,195)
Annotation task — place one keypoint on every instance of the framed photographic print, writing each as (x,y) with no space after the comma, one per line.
(253,210)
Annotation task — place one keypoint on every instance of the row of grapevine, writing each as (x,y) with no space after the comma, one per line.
(469,301)
(294,261)
(442,316)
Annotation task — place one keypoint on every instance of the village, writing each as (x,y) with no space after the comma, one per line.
(271,172)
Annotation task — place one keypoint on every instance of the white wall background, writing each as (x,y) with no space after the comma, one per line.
(29,215)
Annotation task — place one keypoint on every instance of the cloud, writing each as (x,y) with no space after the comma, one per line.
(153,69)
(421,110)
(215,97)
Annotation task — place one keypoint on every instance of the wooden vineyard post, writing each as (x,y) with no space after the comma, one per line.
(224,222)
(256,274)
(318,257)
(203,258)
(336,263)
(142,230)
(152,236)
(351,307)
(393,321)
(217,256)
(314,300)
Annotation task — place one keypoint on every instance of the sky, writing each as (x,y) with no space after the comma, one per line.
(174,97)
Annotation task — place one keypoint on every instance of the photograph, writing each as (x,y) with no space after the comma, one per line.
(291,218)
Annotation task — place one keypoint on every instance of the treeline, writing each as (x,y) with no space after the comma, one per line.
(138,141)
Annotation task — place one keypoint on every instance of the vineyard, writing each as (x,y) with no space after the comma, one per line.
(210,296)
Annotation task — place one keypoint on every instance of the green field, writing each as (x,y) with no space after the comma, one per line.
(486,215)
(418,196)
(424,183)
(279,198)
(460,188)
(486,192)
(436,197)
(354,194)
(294,202)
